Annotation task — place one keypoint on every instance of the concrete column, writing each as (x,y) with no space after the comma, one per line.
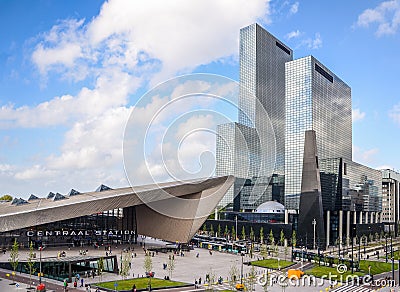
(341,226)
(355,217)
(377,217)
(361,218)
(372,217)
(328,227)
(348,228)
(366,217)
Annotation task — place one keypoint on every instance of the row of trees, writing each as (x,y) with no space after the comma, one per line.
(251,236)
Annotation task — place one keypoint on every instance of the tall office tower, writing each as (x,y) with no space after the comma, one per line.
(262,75)
(316,99)
(261,122)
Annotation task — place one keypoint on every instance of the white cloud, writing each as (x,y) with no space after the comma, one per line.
(114,54)
(312,43)
(386,15)
(294,8)
(394,114)
(357,115)
(366,157)
(293,34)
(182,36)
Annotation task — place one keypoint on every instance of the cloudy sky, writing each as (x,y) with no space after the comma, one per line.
(72,71)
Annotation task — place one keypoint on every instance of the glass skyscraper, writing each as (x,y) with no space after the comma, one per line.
(316,99)
(261,105)
(262,75)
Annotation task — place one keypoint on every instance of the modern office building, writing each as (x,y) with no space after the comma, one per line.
(298,96)
(262,75)
(261,90)
(316,99)
(351,198)
(391,199)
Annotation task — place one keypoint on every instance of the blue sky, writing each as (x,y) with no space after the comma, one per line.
(71,72)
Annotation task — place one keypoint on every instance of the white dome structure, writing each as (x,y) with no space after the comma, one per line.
(271,207)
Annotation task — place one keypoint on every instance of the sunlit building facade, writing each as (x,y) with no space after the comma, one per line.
(316,99)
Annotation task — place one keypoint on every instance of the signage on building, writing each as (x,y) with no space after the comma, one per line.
(40,233)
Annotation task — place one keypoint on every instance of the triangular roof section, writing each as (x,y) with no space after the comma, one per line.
(33,197)
(58,197)
(103,188)
(50,195)
(19,201)
(73,192)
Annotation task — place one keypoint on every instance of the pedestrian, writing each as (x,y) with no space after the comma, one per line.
(81,282)
(134,288)
(195,284)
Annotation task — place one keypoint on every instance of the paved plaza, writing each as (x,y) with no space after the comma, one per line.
(188,267)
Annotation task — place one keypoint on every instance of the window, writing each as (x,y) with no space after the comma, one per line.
(323,73)
(282,47)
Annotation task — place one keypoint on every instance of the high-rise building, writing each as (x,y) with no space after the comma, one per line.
(316,99)
(391,198)
(261,105)
(262,75)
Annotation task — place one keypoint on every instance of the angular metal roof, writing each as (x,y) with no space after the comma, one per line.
(173,211)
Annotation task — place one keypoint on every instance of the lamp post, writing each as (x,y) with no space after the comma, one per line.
(241,270)
(352,255)
(236,231)
(314,223)
(386,248)
(40,264)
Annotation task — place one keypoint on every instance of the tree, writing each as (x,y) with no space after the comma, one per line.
(219,230)
(125,265)
(6,198)
(252,278)
(226,232)
(251,234)
(243,233)
(100,267)
(148,265)
(271,238)
(233,233)
(31,263)
(261,235)
(294,242)
(204,227)
(282,238)
(286,251)
(212,230)
(171,265)
(233,275)
(294,239)
(211,280)
(263,250)
(14,257)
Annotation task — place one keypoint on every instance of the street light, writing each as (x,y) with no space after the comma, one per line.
(40,264)
(314,223)
(241,270)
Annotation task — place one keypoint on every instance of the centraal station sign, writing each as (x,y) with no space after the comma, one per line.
(41,233)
